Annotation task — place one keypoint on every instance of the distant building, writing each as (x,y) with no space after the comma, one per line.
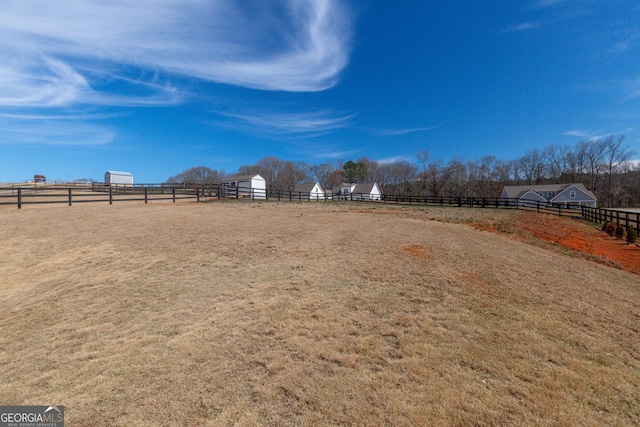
(566,195)
(253,186)
(118,178)
(311,191)
(39,179)
(367,191)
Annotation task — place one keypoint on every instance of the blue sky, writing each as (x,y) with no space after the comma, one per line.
(158,86)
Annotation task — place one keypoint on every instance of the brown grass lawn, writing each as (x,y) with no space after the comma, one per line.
(230,313)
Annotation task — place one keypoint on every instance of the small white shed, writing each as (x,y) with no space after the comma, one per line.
(253,186)
(118,178)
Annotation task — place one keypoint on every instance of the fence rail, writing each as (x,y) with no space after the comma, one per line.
(601,216)
(100,192)
(57,194)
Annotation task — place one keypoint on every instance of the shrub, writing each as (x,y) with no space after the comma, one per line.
(632,235)
(604,226)
(611,228)
(620,232)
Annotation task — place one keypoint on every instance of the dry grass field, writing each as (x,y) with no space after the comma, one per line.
(232,313)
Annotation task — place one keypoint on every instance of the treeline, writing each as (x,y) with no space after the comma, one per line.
(603,166)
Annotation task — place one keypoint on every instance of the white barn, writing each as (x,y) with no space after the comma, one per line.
(118,178)
(253,186)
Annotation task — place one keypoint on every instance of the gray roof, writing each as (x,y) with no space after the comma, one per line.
(306,188)
(240,178)
(517,191)
(366,188)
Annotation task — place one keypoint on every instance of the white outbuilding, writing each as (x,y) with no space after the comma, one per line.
(311,191)
(118,178)
(253,186)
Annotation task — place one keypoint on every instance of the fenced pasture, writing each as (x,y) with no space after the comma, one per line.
(272,313)
(100,192)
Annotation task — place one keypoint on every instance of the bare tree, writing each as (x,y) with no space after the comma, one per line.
(401,175)
(438,175)
(423,158)
(503,172)
(321,173)
(532,164)
(616,155)
(457,183)
(553,158)
(594,157)
(197,175)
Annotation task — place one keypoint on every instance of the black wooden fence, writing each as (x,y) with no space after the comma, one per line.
(100,192)
(56,194)
(601,216)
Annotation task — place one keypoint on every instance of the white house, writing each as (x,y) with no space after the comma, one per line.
(253,186)
(566,195)
(367,191)
(310,191)
(118,178)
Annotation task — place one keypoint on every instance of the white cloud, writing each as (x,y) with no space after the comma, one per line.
(300,46)
(524,26)
(395,159)
(547,3)
(633,91)
(299,124)
(584,134)
(53,130)
(395,132)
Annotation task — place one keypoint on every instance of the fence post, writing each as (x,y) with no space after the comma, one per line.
(626,219)
(173,193)
(69,196)
(19,198)
(110,195)
(146,197)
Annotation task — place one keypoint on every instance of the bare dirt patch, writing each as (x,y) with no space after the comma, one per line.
(308,314)
(582,237)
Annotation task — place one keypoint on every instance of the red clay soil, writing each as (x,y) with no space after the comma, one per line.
(583,237)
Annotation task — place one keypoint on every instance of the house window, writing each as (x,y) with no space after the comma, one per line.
(345,191)
(572,194)
(549,194)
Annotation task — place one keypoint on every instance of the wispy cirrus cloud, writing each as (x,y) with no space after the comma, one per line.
(587,134)
(404,131)
(547,3)
(58,130)
(59,58)
(632,90)
(292,45)
(524,26)
(394,159)
(307,124)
